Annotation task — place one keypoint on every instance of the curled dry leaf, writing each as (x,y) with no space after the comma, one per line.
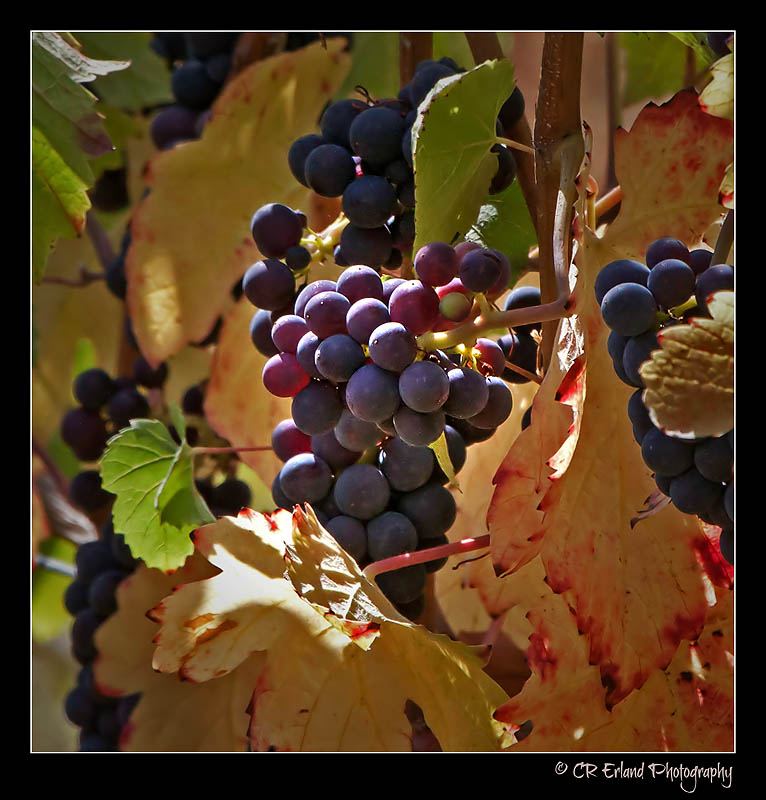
(329,683)
(690,379)
(717,97)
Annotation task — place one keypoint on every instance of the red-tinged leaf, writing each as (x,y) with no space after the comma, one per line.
(191,235)
(341,663)
(685,707)
(171,715)
(635,592)
(670,167)
(237,404)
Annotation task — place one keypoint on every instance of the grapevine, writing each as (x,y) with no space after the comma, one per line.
(383,397)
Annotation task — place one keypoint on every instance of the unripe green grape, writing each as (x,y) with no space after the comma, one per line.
(455,306)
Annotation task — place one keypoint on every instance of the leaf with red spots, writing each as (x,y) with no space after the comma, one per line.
(635,592)
(340,664)
(686,706)
(171,715)
(191,235)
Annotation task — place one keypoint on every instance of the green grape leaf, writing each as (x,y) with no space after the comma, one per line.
(84,356)
(157,504)
(504,224)
(375,65)
(698,42)
(451,141)
(655,65)
(146,83)
(179,421)
(66,132)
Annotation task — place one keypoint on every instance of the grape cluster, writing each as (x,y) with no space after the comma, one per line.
(367,401)
(637,301)
(201,62)
(363,154)
(105,405)
(91,599)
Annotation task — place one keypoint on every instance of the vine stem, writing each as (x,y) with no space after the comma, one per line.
(725,240)
(560,149)
(423,556)
(86,278)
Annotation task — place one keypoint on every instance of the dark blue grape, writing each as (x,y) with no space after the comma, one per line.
(512,109)
(390,534)
(86,493)
(362,491)
(498,407)
(299,152)
(506,170)
(616,272)
(406,467)
(666,248)
(329,169)
(367,246)
(671,282)
(638,349)
(350,534)
(93,388)
(338,357)
(713,279)
(85,432)
(692,493)
(418,428)
(275,228)
(376,135)
(372,393)
(524,297)
(629,309)
(356,434)
(458,452)
(431,509)
(666,455)
(369,201)
(468,393)
(305,478)
(192,86)
(714,459)
(305,353)
(336,121)
(260,333)
(700,260)
(316,409)
(311,290)
(102,596)
(403,585)
(424,386)
(269,284)
(327,447)
(480,269)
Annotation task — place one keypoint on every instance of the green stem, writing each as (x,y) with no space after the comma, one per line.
(515,145)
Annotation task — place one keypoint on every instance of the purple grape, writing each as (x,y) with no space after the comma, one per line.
(311,290)
(390,534)
(299,152)
(406,467)
(325,313)
(316,409)
(524,297)
(372,394)
(306,354)
(364,317)
(369,201)
(338,357)
(416,428)
(480,269)
(287,441)
(260,333)
(392,346)
(436,263)
(329,169)
(360,282)
(423,386)
(414,305)
(498,407)
(361,491)
(283,376)
(288,331)
(468,393)
(350,534)
(356,434)
(327,447)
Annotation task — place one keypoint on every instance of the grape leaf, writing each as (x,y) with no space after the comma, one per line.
(690,379)
(157,504)
(375,65)
(451,141)
(717,97)
(698,42)
(687,706)
(191,234)
(66,131)
(655,64)
(319,690)
(670,168)
(144,85)
(504,224)
(172,715)
(635,593)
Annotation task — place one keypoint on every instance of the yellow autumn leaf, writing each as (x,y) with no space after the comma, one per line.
(319,691)
(191,234)
(690,379)
(171,715)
